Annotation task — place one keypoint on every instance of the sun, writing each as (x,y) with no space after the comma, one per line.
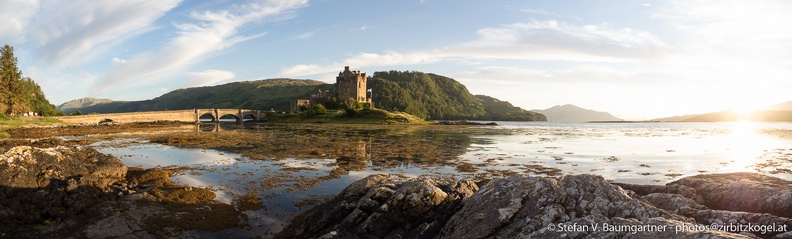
(745,110)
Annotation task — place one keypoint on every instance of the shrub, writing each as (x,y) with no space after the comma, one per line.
(319,109)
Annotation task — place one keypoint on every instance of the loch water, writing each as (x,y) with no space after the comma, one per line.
(275,171)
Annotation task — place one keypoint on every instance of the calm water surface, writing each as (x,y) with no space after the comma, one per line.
(646,153)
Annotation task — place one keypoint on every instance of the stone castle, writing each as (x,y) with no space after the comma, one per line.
(349,85)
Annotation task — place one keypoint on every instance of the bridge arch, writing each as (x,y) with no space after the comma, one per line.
(209,116)
(250,116)
(229,116)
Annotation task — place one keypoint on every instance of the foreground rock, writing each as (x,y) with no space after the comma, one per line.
(725,200)
(75,191)
(580,206)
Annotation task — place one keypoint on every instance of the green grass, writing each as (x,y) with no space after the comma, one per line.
(365,116)
(10,122)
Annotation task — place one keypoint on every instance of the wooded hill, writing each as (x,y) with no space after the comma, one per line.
(424,95)
(18,94)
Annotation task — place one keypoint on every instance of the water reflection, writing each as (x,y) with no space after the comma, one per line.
(217,127)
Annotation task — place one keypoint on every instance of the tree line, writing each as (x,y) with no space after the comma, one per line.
(20,95)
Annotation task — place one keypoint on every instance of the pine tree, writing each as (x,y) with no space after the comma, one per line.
(20,94)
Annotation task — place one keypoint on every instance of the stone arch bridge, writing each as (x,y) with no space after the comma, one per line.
(193,115)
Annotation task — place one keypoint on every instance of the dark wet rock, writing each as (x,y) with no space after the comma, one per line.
(516,207)
(40,184)
(748,192)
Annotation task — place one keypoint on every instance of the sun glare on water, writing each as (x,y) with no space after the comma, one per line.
(744,145)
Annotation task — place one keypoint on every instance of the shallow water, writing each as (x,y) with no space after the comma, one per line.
(274,172)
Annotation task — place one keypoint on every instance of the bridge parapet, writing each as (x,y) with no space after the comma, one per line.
(191,116)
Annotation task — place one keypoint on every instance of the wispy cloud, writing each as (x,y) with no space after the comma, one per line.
(75,32)
(208,77)
(117,60)
(211,32)
(16,15)
(306,35)
(535,40)
(543,12)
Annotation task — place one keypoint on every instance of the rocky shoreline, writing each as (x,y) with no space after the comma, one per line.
(53,190)
(579,206)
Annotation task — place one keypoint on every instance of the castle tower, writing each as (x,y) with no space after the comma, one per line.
(351,84)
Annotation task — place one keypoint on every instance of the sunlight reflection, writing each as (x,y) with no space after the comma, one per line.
(744,145)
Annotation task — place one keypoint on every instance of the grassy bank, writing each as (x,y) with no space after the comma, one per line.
(10,122)
(364,116)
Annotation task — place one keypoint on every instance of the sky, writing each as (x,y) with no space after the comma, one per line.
(634,59)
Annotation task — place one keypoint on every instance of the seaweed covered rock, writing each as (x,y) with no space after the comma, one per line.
(70,166)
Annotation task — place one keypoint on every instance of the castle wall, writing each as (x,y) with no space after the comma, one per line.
(294,105)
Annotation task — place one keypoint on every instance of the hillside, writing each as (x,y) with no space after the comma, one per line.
(72,105)
(678,118)
(729,116)
(261,94)
(505,111)
(434,96)
(425,95)
(571,113)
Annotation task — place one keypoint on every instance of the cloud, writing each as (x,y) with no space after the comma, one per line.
(208,77)
(117,60)
(534,40)
(306,35)
(389,58)
(209,33)
(16,15)
(74,32)
(543,12)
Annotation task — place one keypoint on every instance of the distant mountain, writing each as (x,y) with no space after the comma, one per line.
(422,94)
(777,113)
(72,105)
(730,116)
(786,106)
(571,113)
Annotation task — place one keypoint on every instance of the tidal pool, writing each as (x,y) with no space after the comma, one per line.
(274,171)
